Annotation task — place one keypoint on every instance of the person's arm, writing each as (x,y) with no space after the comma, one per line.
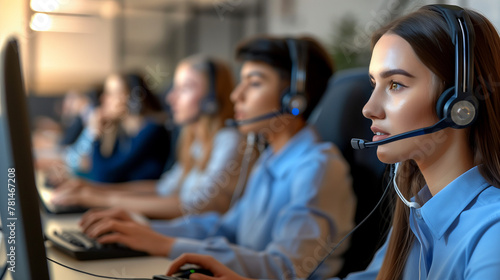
(81,148)
(145,203)
(118,226)
(222,272)
(76,154)
(484,260)
(140,186)
(89,194)
(158,239)
(152,206)
(303,229)
(155,199)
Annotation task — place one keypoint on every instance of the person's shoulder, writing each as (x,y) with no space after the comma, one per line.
(320,157)
(152,125)
(228,134)
(489,199)
(485,212)
(321,150)
(153,130)
(485,205)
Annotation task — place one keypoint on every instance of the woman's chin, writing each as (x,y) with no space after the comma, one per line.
(389,155)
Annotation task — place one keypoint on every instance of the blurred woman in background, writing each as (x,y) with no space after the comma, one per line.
(125,137)
(205,175)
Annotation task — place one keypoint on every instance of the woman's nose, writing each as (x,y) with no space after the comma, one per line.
(373,109)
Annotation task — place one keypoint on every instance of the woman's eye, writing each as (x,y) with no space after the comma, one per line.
(255,84)
(395,86)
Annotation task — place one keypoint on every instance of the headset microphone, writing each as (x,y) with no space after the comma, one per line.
(235,123)
(359,144)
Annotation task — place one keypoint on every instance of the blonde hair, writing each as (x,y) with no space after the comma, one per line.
(205,129)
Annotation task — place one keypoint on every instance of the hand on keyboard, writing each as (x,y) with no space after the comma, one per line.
(93,216)
(132,234)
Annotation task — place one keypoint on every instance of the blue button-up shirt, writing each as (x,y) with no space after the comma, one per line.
(297,205)
(457,233)
(195,189)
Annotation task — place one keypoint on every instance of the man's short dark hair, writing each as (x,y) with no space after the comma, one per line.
(274,51)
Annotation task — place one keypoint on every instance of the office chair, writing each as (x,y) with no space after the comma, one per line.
(337,119)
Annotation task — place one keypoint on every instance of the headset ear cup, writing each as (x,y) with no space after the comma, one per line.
(209,104)
(285,98)
(135,100)
(441,103)
(209,107)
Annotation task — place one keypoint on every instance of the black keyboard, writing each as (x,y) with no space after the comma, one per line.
(78,245)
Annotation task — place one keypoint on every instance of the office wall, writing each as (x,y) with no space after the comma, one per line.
(320,17)
(153,37)
(67,60)
(328,20)
(13,22)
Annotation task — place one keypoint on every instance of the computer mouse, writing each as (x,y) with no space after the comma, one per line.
(184,273)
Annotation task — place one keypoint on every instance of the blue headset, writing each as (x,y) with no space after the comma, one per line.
(294,99)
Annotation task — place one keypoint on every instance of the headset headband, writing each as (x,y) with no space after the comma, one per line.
(458,104)
(209,104)
(463,36)
(294,100)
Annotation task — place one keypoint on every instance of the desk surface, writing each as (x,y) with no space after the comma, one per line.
(137,267)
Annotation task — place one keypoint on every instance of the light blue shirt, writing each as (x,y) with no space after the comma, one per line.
(297,205)
(211,188)
(457,233)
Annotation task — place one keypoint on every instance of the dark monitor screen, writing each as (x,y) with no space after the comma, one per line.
(19,208)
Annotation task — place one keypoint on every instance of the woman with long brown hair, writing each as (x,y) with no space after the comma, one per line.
(450,226)
(205,175)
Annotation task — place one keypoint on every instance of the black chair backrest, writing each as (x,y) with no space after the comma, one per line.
(338,118)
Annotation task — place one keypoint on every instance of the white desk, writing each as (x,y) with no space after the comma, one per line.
(137,267)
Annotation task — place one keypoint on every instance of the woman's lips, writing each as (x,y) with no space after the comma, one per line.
(378,137)
(379,134)
(238,115)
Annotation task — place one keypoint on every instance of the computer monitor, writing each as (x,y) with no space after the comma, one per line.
(19,208)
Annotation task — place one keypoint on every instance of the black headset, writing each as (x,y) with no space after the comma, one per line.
(209,104)
(137,93)
(458,104)
(294,99)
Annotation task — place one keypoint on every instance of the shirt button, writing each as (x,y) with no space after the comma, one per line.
(419,214)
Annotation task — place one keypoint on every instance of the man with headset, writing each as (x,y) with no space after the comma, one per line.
(298,201)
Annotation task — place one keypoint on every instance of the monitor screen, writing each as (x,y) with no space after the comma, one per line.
(19,208)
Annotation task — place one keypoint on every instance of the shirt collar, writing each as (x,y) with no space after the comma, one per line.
(278,164)
(452,200)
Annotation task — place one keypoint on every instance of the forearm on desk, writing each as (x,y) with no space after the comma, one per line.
(142,186)
(152,206)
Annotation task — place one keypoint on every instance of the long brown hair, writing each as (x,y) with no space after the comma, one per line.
(427,33)
(208,125)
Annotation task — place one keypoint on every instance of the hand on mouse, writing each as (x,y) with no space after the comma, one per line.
(220,271)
